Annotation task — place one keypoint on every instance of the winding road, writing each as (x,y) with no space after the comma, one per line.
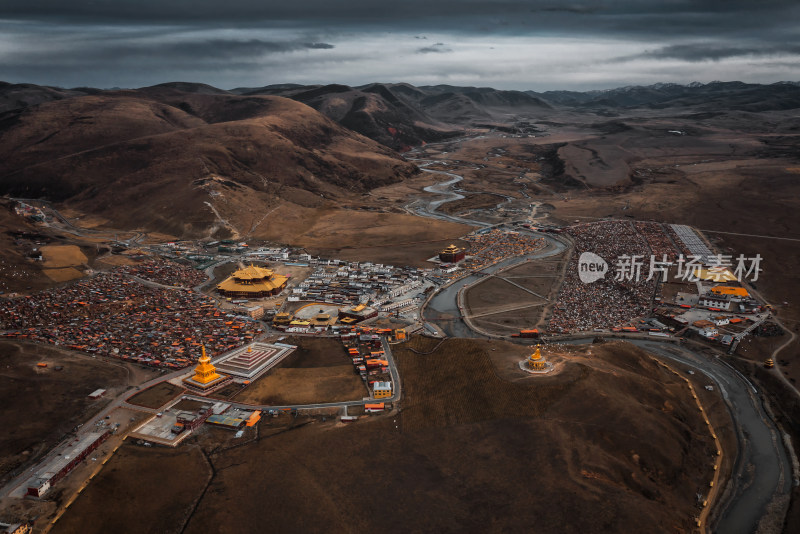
(762,468)
(443,308)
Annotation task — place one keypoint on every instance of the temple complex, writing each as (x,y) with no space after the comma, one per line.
(252,361)
(452,254)
(356,314)
(252,283)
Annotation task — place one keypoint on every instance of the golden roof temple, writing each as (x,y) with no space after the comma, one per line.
(452,254)
(253,282)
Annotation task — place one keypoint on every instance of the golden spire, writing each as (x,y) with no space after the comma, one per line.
(205,373)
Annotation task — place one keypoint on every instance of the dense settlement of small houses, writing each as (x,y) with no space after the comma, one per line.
(114,314)
(166,273)
(608,302)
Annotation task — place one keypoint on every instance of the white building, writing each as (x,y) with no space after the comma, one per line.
(721,302)
(709,332)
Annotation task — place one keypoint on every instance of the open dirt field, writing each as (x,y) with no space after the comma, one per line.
(471,201)
(360,235)
(305,386)
(470,452)
(56,256)
(140,490)
(64,274)
(156,396)
(315,352)
(318,371)
(497,305)
(62,263)
(41,405)
(114,260)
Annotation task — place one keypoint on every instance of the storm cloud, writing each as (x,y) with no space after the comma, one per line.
(503,43)
(438,48)
(698,52)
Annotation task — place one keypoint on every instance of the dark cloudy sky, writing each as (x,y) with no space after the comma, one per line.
(515,44)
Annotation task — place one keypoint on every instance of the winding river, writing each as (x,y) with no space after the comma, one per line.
(762,468)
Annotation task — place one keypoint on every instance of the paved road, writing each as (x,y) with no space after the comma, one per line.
(443,308)
(762,468)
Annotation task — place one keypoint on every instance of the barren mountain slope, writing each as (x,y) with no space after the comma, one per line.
(155,158)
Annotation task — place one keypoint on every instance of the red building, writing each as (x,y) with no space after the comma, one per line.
(63,463)
(452,254)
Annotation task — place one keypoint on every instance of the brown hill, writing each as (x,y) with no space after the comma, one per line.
(711,97)
(374,111)
(181,159)
(21,95)
(401,115)
(19,240)
(468,452)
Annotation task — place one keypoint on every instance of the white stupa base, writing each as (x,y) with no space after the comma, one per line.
(524,366)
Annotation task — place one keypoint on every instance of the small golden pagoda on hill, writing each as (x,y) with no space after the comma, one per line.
(536,363)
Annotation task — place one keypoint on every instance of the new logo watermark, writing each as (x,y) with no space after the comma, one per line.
(631,268)
(591,267)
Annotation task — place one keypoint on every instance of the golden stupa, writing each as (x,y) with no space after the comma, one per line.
(536,361)
(205,374)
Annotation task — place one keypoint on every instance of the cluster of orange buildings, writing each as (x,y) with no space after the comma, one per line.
(113,315)
(166,272)
(658,240)
(366,352)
